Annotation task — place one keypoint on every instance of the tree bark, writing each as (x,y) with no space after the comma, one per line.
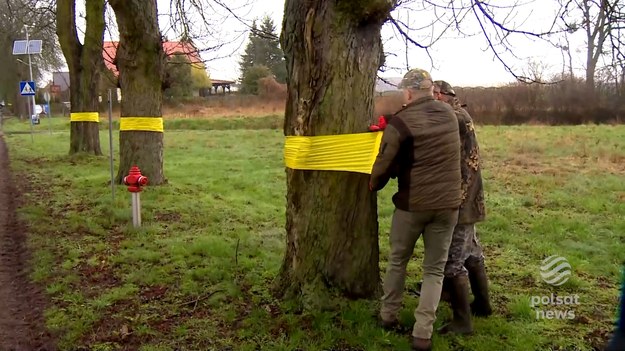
(596,34)
(85,63)
(140,61)
(332,52)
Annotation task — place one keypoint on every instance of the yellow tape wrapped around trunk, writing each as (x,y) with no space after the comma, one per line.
(84,117)
(145,124)
(344,152)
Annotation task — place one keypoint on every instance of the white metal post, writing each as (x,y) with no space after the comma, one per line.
(136,210)
(47,98)
(111,145)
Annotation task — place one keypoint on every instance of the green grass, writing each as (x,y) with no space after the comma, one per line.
(196,275)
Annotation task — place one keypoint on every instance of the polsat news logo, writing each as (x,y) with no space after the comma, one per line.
(555,270)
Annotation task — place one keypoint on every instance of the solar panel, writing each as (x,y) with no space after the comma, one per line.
(19,47)
(34,46)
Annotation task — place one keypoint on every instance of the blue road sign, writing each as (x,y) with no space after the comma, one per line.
(27,88)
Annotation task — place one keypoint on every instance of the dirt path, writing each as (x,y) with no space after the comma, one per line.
(21,302)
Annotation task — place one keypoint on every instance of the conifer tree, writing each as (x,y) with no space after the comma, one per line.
(262,51)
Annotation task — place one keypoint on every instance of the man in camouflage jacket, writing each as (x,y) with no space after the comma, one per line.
(465,263)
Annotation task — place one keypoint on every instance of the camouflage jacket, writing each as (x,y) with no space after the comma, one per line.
(472,208)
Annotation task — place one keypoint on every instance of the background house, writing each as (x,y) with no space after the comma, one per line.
(182,80)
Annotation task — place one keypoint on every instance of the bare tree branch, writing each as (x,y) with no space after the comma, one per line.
(496,32)
(414,42)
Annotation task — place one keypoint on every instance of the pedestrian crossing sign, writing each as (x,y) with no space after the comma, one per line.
(27,88)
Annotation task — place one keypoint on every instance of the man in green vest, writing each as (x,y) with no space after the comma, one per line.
(421,147)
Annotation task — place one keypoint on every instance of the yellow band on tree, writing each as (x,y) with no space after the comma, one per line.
(146,124)
(343,152)
(84,117)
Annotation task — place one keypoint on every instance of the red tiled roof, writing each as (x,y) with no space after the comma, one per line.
(170,47)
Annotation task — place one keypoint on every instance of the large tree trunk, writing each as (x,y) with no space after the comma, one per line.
(140,60)
(85,63)
(332,52)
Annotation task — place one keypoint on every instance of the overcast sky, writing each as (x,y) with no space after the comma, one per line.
(463,61)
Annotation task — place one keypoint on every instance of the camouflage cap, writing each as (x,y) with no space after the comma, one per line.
(416,78)
(445,87)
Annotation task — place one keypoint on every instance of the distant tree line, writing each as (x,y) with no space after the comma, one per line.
(596,97)
(566,102)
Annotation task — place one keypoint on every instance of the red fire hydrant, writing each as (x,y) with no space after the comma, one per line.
(135,181)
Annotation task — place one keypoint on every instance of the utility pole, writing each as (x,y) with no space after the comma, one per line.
(30,68)
(28,47)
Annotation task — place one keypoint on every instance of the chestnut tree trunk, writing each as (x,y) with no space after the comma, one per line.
(85,63)
(332,51)
(140,61)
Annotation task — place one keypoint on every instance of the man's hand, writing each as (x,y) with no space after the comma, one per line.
(370,185)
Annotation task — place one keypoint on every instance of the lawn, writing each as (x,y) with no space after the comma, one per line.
(196,275)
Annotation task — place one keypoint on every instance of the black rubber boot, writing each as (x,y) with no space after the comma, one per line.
(479,286)
(461,322)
